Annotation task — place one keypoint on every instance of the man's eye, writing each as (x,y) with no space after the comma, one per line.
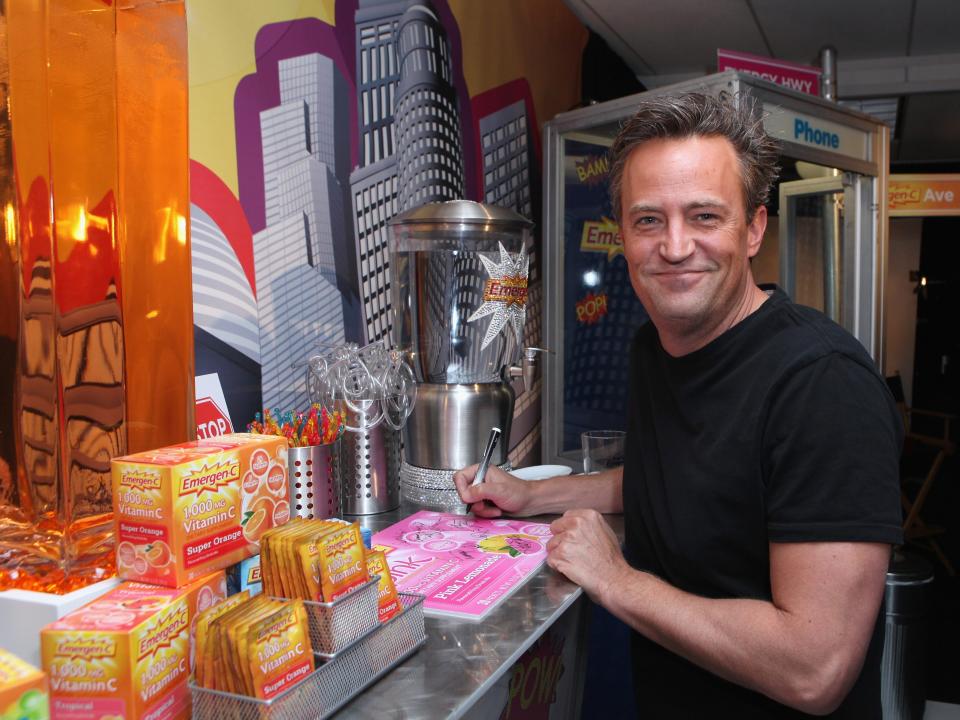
(706,217)
(645,220)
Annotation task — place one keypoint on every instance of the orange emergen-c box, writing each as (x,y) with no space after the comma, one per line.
(23,690)
(186,510)
(126,655)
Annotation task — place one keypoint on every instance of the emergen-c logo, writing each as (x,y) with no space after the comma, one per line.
(166,629)
(210,477)
(86,648)
(140,479)
(276,625)
(601,236)
(340,542)
(511,290)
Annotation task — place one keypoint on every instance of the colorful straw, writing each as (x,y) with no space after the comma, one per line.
(314,427)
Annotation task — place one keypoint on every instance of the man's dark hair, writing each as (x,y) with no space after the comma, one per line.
(697,115)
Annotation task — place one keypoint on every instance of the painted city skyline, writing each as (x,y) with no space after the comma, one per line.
(340,129)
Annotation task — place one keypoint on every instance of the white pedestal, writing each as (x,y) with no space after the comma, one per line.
(25,613)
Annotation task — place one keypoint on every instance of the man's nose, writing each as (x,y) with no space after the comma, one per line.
(677,243)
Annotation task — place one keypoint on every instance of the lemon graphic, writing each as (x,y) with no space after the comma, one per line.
(514,544)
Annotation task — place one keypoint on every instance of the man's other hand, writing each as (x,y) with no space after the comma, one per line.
(500,492)
(584,548)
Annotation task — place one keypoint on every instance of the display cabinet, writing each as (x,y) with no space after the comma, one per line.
(827,233)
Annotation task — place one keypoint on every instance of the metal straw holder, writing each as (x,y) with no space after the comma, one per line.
(370,470)
(314,491)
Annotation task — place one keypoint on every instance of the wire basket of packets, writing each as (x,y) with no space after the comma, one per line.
(339,627)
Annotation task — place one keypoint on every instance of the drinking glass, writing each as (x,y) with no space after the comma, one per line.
(602,449)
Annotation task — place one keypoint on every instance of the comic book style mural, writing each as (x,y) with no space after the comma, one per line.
(601,311)
(341,121)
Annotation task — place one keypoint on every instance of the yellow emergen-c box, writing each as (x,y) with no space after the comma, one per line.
(126,655)
(188,509)
(23,690)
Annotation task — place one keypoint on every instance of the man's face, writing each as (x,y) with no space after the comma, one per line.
(685,233)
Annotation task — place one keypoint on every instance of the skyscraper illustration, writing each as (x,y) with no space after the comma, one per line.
(429,139)
(223,303)
(378,72)
(411,149)
(373,185)
(506,158)
(410,137)
(300,308)
(375,190)
(309,187)
(314,80)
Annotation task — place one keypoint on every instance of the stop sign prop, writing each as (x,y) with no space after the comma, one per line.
(211,419)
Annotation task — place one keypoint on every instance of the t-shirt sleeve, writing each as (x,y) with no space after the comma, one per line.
(831,451)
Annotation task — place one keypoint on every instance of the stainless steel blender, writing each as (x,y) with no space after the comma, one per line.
(459,300)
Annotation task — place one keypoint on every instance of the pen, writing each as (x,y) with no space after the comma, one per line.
(487,454)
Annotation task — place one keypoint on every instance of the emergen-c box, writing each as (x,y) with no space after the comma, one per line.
(126,655)
(23,690)
(188,509)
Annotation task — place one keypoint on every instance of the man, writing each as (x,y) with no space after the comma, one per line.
(759,490)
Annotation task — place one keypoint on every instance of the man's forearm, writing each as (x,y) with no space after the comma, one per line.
(749,642)
(601,492)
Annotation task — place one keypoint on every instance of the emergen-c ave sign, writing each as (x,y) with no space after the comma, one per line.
(804,78)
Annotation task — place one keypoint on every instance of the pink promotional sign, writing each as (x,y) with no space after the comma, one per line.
(804,78)
(464,565)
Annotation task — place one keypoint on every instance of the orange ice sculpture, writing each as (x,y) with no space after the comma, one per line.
(95,300)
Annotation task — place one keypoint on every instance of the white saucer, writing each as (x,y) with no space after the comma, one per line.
(540,472)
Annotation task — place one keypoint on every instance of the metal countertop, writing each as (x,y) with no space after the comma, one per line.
(461,660)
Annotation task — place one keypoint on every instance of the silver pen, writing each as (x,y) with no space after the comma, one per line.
(487,454)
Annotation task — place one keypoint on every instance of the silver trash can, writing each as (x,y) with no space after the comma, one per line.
(902,686)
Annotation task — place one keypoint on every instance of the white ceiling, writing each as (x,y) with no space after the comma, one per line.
(908,49)
(667,37)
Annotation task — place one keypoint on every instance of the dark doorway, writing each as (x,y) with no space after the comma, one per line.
(937,360)
(935,387)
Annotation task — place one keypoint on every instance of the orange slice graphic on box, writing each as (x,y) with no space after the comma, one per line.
(254,525)
(258,519)
(158,554)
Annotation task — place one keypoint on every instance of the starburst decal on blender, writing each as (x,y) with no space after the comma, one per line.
(504,294)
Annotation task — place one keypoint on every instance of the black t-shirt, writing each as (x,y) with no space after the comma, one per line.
(780,430)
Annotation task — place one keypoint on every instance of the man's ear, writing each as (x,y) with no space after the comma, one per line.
(755,231)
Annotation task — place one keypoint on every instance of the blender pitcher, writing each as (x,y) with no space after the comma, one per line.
(460,297)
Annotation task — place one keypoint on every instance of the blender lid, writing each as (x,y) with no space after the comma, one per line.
(460,211)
